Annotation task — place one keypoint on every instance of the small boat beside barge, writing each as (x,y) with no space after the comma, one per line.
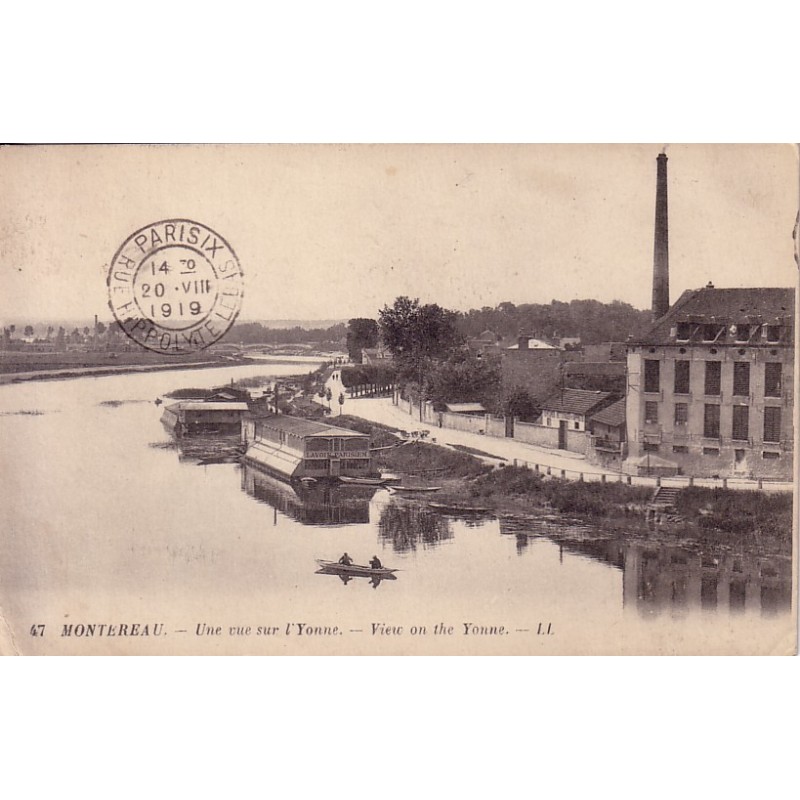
(362,481)
(413,489)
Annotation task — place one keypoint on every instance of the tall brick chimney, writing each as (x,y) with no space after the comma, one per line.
(661,245)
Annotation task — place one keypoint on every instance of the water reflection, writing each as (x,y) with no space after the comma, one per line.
(663,578)
(375,580)
(407,525)
(318,504)
(660,577)
(209,449)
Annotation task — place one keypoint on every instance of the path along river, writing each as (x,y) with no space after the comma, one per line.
(103,522)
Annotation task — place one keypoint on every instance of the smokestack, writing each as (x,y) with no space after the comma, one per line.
(661,245)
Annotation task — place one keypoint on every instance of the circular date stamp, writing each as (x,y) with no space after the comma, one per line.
(175,286)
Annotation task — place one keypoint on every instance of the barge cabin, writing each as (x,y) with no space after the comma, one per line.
(292,447)
(190,417)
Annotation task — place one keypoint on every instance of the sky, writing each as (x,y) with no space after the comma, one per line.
(334,232)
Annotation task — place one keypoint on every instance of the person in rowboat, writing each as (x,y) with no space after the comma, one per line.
(375,563)
(346,560)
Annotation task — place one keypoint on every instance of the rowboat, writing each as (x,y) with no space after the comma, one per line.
(414,489)
(362,481)
(355,569)
(446,508)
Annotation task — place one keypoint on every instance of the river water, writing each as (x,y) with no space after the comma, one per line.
(105,522)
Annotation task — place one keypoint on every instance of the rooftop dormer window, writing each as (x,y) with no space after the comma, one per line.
(684,331)
(773,333)
(742,333)
(711,332)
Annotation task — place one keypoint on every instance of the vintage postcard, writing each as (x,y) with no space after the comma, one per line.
(398,400)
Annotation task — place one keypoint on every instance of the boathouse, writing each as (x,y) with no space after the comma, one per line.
(292,447)
(191,416)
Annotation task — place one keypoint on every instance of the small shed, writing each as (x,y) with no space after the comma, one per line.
(474,409)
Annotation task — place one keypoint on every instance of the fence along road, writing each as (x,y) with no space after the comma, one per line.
(557,463)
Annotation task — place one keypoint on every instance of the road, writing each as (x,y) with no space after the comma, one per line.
(575,466)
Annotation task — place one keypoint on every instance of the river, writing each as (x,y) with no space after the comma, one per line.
(104,522)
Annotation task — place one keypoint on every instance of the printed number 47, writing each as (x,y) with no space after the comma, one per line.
(37,630)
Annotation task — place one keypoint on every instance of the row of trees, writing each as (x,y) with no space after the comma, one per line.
(60,337)
(256,333)
(591,320)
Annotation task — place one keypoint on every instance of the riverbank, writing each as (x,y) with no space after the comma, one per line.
(44,374)
(467,481)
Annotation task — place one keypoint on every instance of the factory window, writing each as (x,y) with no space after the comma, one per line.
(773,333)
(682,377)
(770,454)
(650,411)
(680,448)
(650,447)
(651,375)
(684,331)
(577,426)
(741,378)
(681,413)
(711,451)
(772,424)
(713,373)
(741,423)
(711,332)
(711,422)
(772,379)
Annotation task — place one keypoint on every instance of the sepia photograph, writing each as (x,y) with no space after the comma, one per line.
(398,400)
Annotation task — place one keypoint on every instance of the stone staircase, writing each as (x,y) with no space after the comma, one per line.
(664,498)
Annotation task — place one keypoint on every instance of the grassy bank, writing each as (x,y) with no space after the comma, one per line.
(416,460)
(517,489)
(737,512)
(719,515)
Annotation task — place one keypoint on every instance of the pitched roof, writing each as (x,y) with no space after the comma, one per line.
(305,427)
(575,401)
(613,415)
(725,306)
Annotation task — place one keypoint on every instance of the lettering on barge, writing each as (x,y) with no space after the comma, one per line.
(175,286)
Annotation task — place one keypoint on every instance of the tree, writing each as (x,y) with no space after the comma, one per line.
(361,333)
(519,402)
(341,402)
(61,339)
(11,329)
(86,331)
(415,334)
(464,378)
(50,330)
(28,331)
(101,328)
(328,395)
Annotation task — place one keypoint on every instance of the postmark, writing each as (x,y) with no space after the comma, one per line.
(175,286)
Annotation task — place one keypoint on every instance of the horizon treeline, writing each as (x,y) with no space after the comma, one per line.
(590,320)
